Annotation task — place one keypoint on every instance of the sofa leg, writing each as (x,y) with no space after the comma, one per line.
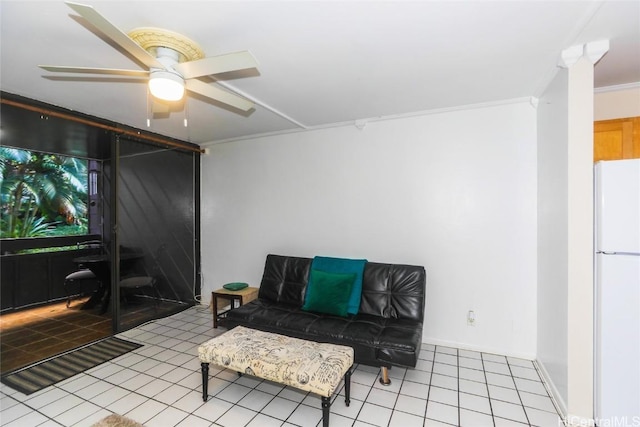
(384,376)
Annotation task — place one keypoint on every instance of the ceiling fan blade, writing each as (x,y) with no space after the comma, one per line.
(216,64)
(218,94)
(89,70)
(115,34)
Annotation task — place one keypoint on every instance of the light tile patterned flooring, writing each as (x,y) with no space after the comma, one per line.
(159,384)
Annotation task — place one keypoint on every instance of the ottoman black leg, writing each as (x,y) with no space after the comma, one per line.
(347,387)
(326,410)
(205,381)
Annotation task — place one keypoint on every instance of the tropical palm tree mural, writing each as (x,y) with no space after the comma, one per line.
(41,192)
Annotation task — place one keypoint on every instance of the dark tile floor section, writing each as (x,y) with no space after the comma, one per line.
(30,335)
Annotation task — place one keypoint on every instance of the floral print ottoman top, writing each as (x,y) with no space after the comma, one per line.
(306,365)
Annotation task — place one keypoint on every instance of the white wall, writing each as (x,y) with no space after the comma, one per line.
(552,235)
(454,192)
(617,104)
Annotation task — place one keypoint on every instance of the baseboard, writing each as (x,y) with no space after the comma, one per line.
(561,405)
(483,349)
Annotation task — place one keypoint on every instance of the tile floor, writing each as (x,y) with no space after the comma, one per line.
(159,384)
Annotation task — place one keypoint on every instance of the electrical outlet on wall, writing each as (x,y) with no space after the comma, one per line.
(471,318)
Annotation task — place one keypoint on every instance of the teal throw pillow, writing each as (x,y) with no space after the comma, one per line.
(343,266)
(329,292)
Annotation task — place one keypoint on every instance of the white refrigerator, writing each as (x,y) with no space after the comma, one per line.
(617,293)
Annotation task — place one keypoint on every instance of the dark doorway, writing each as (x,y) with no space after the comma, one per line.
(146,195)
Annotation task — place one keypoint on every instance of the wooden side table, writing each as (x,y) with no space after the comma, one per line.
(243,296)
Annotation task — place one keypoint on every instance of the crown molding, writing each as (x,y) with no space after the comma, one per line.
(592,52)
(616,88)
(360,124)
(595,50)
(571,55)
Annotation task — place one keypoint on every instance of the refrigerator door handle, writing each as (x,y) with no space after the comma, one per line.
(618,253)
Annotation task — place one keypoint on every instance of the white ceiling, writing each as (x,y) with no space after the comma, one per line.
(322,62)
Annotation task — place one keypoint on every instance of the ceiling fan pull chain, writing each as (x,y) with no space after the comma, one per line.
(148,108)
(186,112)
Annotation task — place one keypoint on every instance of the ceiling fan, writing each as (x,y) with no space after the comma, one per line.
(174,62)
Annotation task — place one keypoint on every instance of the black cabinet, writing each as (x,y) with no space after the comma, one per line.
(33,279)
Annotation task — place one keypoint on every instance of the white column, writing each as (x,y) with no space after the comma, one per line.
(580,63)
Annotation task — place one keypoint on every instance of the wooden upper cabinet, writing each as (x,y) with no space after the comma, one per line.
(616,139)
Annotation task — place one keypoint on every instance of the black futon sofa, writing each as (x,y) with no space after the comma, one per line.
(386,332)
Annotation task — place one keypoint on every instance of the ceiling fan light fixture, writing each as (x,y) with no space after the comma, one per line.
(166,85)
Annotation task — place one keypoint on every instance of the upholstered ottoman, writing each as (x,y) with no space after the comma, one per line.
(305,365)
